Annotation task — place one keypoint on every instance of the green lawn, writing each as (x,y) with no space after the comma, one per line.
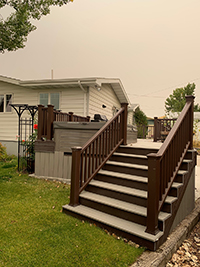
(35,232)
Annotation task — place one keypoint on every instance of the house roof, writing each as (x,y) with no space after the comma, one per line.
(115,83)
(133,107)
(9,80)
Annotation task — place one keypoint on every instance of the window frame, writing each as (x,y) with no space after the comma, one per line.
(5,102)
(49,97)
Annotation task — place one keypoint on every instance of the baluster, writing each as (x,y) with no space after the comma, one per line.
(85,170)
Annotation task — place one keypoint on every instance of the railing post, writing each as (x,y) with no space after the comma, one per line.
(88,118)
(124,123)
(75,176)
(71,117)
(50,122)
(190,99)
(40,121)
(153,193)
(155,129)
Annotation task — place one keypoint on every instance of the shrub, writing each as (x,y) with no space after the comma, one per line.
(3,154)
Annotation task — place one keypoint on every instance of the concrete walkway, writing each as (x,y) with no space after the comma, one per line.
(161,257)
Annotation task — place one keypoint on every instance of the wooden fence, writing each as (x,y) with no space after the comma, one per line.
(162,128)
(46,117)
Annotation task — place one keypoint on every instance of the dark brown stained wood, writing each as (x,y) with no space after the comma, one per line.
(162,170)
(45,146)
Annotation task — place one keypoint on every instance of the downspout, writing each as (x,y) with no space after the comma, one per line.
(84,98)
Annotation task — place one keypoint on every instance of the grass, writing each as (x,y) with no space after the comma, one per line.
(35,232)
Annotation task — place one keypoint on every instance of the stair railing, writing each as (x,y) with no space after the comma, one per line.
(163,166)
(162,125)
(89,159)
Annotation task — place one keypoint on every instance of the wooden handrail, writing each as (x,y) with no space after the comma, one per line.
(89,159)
(163,166)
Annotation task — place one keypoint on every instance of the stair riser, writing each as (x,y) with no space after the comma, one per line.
(132,160)
(179,178)
(117,195)
(184,166)
(174,192)
(136,151)
(130,216)
(118,232)
(127,170)
(123,182)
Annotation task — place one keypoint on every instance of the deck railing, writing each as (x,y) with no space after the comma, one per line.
(162,125)
(89,159)
(163,166)
(46,117)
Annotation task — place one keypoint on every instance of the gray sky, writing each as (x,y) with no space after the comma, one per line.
(153,46)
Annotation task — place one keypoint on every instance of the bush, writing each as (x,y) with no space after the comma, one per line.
(3,154)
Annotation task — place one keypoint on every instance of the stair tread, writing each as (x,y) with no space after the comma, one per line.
(129,207)
(120,188)
(130,155)
(113,221)
(124,175)
(130,165)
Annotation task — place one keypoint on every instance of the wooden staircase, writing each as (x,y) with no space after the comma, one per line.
(116,199)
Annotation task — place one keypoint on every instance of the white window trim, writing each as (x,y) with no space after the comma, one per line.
(4,108)
(49,97)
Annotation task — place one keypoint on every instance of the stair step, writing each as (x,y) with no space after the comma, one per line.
(128,165)
(119,204)
(119,188)
(114,222)
(130,155)
(124,176)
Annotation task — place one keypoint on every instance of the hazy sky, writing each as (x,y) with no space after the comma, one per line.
(153,46)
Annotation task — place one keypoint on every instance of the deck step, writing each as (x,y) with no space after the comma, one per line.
(128,229)
(118,204)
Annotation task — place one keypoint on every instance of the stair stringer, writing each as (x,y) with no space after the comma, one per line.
(171,224)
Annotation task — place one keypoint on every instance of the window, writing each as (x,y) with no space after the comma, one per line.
(50,98)
(5,101)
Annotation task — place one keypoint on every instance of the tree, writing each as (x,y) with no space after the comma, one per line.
(15,29)
(141,122)
(176,101)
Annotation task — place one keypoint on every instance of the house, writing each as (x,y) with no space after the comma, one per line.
(82,96)
(131,110)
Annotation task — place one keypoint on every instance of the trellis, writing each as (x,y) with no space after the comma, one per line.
(25,129)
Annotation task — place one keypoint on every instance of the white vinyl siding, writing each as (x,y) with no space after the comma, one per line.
(130,116)
(73,100)
(106,96)
(9,120)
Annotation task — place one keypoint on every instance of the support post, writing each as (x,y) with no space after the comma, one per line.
(75,176)
(40,121)
(190,99)
(124,122)
(50,122)
(155,135)
(153,193)
(71,117)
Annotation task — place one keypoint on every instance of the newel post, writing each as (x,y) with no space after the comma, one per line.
(71,117)
(153,193)
(50,122)
(75,176)
(124,122)
(190,99)
(40,121)
(155,135)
